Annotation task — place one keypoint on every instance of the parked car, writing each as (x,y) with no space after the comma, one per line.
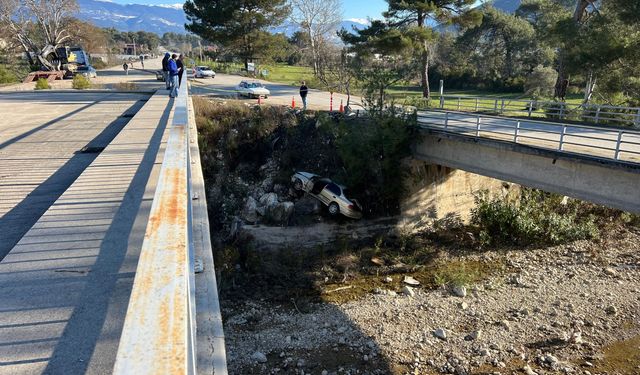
(332,195)
(87,71)
(204,72)
(252,89)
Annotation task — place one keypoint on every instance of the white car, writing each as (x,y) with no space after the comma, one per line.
(252,89)
(204,72)
(334,196)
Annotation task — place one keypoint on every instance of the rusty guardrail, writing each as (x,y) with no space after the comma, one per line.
(159,333)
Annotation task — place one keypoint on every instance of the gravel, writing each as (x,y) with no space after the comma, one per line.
(564,304)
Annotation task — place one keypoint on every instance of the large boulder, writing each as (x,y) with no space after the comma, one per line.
(280,212)
(269,199)
(249,212)
(307,205)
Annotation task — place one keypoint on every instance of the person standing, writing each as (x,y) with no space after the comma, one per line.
(304,90)
(165,70)
(142,61)
(125,66)
(180,65)
(173,74)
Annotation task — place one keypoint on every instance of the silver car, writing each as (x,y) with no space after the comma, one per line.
(252,89)
(327,192)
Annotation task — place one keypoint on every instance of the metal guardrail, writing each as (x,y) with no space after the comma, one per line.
(590,113)
(159,330)
(616,144)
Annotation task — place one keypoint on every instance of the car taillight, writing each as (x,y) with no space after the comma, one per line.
(352,207)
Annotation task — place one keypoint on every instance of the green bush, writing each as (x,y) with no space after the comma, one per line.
(7,76)
(80,82)
(537,217)
(42,84)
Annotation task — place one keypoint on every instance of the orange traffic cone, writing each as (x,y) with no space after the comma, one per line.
(293,102)
(341,107)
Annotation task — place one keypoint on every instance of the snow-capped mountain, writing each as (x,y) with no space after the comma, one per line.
(289,29)
(133,17)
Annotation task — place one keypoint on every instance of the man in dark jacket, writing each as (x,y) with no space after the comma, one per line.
(180,65)
(304,90)
(173,74)
(165,70)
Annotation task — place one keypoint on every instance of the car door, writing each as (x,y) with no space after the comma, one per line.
(330,193)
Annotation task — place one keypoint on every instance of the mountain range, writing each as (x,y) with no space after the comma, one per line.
(171,18)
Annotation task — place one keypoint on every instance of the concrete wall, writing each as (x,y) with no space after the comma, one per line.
(600,181)
(437,192)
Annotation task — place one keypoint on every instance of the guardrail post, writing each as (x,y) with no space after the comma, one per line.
(530,108)
(478,126)
(597,114)
(458,103)
(477,107)
(561,110)
(636,123)
(618,143)
(495,106)
(564,131)
(441,101)
(517,132)
(502,107)
(446,120)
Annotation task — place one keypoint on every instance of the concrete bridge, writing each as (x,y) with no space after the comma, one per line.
(596,164)
(103,222)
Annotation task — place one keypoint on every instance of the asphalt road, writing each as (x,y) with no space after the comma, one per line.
(223,85)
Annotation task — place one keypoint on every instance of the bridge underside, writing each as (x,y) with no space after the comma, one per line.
(610,183)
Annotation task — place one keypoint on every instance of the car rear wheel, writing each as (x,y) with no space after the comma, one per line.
(334,209)
(297,184)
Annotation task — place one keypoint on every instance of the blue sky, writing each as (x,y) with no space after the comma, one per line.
(352,8)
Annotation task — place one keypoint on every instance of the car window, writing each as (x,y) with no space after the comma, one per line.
(335,189)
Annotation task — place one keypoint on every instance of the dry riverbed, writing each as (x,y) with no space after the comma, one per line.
(571,309)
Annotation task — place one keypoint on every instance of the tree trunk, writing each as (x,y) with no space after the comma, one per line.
(562,75)
(424,62)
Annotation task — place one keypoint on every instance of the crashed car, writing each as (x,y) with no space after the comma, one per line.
(327,192)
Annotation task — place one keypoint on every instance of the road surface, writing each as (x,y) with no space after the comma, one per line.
(223,85)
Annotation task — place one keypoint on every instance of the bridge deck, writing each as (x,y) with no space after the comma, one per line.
(41,135)
(66,284)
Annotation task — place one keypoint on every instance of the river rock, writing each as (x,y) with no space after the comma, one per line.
(259,357)
(459,291)
(406,290)
(440,333)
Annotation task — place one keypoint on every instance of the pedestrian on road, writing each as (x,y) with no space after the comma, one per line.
(142,61)
(173,74)
(125,66)
(165,70)
(304,90)
(180,65)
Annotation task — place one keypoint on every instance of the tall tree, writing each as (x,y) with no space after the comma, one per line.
(319,19)
(234,23)
(418,18)
(39,26)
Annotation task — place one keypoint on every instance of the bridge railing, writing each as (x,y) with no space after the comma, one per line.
(616,144)
(159,332)
(588,113)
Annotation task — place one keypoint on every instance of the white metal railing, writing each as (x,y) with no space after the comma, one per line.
(159,330)
(589,113)
(616,144)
